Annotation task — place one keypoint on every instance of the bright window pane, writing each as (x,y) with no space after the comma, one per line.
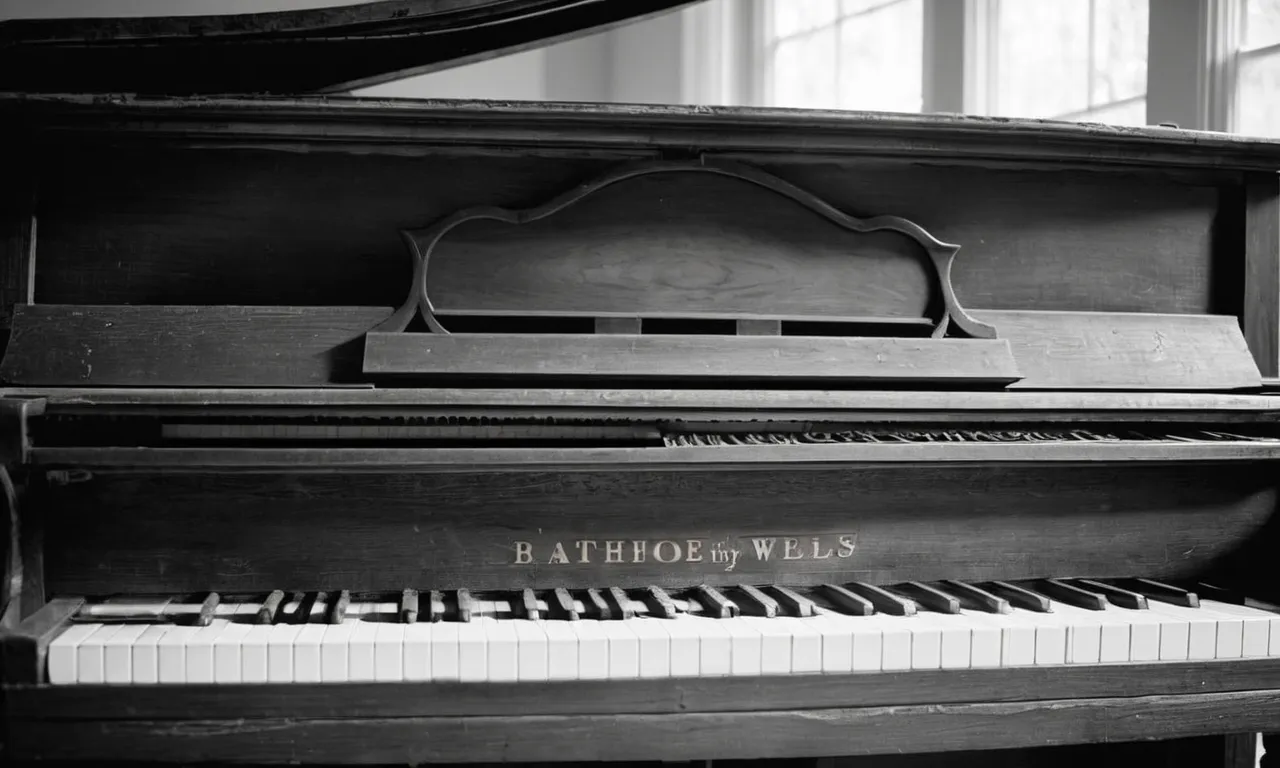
(793,16)
(1119,50)
(1125,113)
(1261,23)
(1042,62)
(804,72)
(1258,97)
(881,59)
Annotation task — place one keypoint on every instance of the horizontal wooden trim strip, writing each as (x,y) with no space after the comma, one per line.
(722,735)
(391,124)
(588,459)
(691,356)
(669,696)
(851,402)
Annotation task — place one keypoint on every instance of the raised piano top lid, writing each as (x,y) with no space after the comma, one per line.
(298,51)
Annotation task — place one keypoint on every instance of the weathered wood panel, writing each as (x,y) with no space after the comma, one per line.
(187,346)
(243,227)
(240,532)
(307,701)
(833,360)
(1262,271)
(1097,350)
(724,735)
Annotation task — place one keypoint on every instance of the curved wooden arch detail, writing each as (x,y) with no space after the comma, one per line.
(422,242)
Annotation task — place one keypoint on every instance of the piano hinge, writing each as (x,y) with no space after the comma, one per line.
(15,436)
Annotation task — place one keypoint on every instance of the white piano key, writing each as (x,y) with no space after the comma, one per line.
(745,646)
(686,646)
(61,659)
(926,640)
(1084,633)
(805,645)
(335,649)
(1051,637)
(307,662)
(836,638)
(1200,628)
(444,651)
(503,662)
(562,650)
(227,664)
(146,661)
(361,653)
(956,645)
(388,652)
(1116,643)
(1256,626)
(896,639)
(655,646)
(624,649)
(593,650)
(1017,637)
(715,648)
(986,639)
(200,652)
(1230,631)
(118,654)
(473,652)
(171,653)
(417,652)
(1144,633)
(775,644)
(532,651)
(280,652)
(91,664)
(253,654)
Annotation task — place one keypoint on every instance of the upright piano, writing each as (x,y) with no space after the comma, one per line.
(340,430)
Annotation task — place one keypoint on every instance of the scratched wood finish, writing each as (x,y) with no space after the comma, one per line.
(833,360)
(1262,271)
(186,346)
(189,532)
(1096,350)
(334,218)
(671,696)
(724,735)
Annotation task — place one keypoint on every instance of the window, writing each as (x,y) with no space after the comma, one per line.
(1069,60)
(844,54)
(1257,68)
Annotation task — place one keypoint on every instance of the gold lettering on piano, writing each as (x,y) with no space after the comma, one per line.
(724,553)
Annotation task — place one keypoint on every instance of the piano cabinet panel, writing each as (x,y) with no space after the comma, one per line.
(232,532)
(234,225)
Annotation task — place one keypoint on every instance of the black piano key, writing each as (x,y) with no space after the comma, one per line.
(974,597)
(1019,597)
(1115,595)
(659,603)
(927,597)
(846,601)
(597,607)
(292,607)
(338,609)
(793,603)
(270,607)
(564,607)
(620,604)
(307,606)
(752,602)
(466,605)
(435,606)
(409,606)
(883,600)
(207,609)
(1065,593)
(526,605)
(1156,590)
(713,601)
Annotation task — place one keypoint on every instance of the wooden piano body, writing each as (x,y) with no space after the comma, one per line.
(325,343)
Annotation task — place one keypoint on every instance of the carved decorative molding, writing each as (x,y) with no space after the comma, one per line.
(939,255)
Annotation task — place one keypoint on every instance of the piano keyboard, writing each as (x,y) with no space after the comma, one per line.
(628,634)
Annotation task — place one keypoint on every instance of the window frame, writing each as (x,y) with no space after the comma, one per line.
(959,66)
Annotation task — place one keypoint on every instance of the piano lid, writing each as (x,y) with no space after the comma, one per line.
(321,49)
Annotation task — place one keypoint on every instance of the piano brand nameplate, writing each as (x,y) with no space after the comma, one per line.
(732,552)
